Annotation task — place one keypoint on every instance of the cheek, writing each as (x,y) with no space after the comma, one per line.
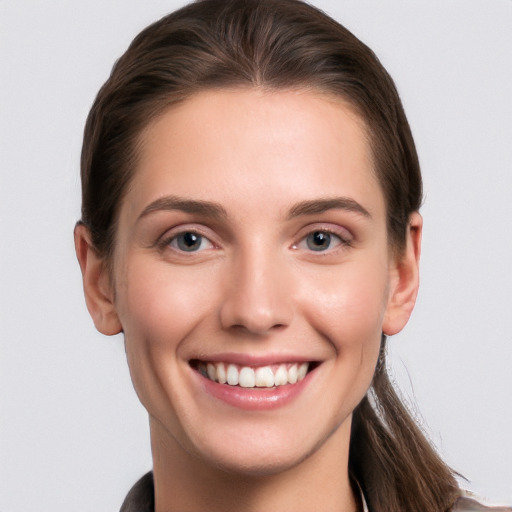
(158,309)
(348,303)
(349,313)
(346,308)
(158,305)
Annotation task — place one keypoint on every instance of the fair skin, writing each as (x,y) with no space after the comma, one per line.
(253,235)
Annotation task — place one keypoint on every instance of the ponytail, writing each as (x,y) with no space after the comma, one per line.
(390,457)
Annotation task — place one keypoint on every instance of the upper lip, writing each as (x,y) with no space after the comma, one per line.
(242,359)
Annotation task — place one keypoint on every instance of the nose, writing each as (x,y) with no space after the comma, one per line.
(258,295)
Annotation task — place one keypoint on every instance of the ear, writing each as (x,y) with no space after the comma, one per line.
(404,280)
(99,295)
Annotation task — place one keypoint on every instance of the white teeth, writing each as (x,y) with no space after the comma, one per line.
(247,378)
(221,374)
(261,377)
(281,376)
(211,371)
(303,369)
(232,375)
(292,374)
(264,377)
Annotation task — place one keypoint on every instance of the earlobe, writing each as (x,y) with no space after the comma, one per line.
(99,295)
(404,280)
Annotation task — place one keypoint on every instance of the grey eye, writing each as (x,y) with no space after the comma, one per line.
(318,241)
(188,241)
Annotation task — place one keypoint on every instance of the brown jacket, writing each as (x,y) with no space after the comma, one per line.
(141,498)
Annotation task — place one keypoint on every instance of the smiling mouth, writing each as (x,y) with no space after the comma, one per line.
(269,376)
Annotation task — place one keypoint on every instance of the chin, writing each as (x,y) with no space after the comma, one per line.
(258,465)
(261,455)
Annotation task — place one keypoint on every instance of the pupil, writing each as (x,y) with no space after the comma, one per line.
(189,241)
(319,240)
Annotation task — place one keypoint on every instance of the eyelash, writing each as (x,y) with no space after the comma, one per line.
(343,241)
(168,241)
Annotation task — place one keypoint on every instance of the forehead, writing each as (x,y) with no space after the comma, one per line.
(247,144)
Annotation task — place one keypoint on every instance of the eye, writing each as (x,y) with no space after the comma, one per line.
(322,240)
(189,241)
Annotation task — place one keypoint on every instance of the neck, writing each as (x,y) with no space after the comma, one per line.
(186,483)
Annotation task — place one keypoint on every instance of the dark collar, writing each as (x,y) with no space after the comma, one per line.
(141,498)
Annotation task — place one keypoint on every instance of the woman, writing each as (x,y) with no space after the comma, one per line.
(250,223)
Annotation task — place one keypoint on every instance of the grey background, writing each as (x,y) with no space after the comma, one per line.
(72,433)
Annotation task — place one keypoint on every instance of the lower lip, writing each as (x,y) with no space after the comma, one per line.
(254,399)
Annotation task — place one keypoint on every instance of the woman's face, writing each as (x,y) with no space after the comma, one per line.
(252,245)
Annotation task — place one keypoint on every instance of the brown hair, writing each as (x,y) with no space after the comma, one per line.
(275,44)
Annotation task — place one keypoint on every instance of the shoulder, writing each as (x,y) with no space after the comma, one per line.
(141,497)
(466,503)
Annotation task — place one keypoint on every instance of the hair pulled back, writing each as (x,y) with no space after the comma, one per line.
(275,45)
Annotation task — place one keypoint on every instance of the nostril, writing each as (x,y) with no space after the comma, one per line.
(257,329)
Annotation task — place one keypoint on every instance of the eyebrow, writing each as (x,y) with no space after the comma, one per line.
(317,206)
(216,211)
(170,203)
